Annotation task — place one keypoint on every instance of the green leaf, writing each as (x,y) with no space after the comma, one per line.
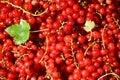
(24,23)
(20,32)
(89,25)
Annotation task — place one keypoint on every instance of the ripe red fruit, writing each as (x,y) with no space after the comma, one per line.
(81,39)
(80,20)
(59,47)
(27,6)
(85,73)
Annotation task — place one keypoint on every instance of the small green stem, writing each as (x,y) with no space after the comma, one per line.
(99,14)
(116,22)
(2,78)
(85,53)
(27,77)
(73,55)
(61,27)
(62,56)
(103,36)
(90,36)
(3,54)
(20,57)
(45,50)
(4,62)
(79,1)
(37,11)
(84,3)
(24,11)
(48,76)
(112,73)
(39,30)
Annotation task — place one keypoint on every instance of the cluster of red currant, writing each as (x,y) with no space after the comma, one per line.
(69,40)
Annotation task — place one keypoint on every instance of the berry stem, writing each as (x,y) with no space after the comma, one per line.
(39,30)
(45,50)
(2,78)
(100,15)
(112,73)
(61,27)
(26,77)
(73,55)
(84,3)
(37,11)
(20,58)
(3,48)
(3,62)
(48,76)
(24,11)
(85,53)
(116,22)
(79,1)
(62,56)
(90,36)
(103,36)
(2,54)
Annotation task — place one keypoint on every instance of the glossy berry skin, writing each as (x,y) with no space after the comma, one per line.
(81,39)
(59,47)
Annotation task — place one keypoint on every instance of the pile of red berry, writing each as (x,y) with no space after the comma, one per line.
(69,40)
